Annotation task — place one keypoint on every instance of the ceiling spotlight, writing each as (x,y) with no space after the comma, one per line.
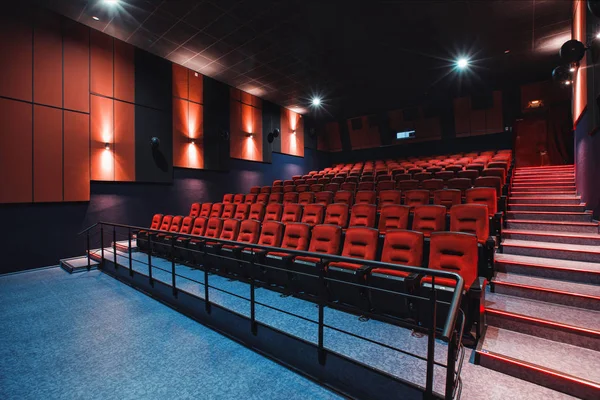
(111,2)
(95,18)
(316,101)
(506,51)
(598,35)
(462,63)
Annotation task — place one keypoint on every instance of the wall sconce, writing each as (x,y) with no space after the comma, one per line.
(250,135)
(106,146)
(293,131)
(192,141)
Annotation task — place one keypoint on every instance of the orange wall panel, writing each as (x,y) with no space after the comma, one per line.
(102,160)
(76,174)
(124,84)
(365,137)
(47,154)
(292,143)
(16,35)
(124,141)
(180,82)
(16,152)
(196,132)
(195,86)
(180,132)
(47,59)
(245,120)
(101,66)
(76,65)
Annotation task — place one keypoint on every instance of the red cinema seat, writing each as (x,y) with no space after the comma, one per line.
(291,213)
(296,237)
(257,212)
(476,167)
(227,198)
(316,188)
(262,198)
(265,189)
(499,164)
(289,189)
(228,211)
(470,174)
(348,187)
(393,217)
(194,210)
(483,195)
(207,228)
(255,189)
(182,245)
(250,198)
(336,214)
(366,186)
(344,197)
(360,243)
(313,214)
(278,182)
(363,215)
(270,235)
(248,234)
(386,185)
(432,184)
(306,198)
(229,231)
(434,169)
(402,177)
(142,236)
(305,270)
(288,183)
(447,198)
(277,189)
(332,187)
(302,188)
(338,180)
(399,247)
(242,211)
(160,238)
(324,181)
(445,175)
(311,181)
(273,212)
(389,197)
(454,168)
(365,197)
(238,198)
(216,210)
(275,198)
(416,197)
(461,184)
(499,172)
(167,247)
(290,198)
(324,198)
(489,181)
(205,210)
(407,185)
(428,219)
(422,176)
(296,177)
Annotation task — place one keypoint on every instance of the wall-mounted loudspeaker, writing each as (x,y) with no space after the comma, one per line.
(154,143)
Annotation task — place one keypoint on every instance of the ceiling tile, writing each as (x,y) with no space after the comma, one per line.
(179,8)
(223,26)
(181,33)
(158,23)
(217,50)
(181,55)
(198,62)
(200,42)
(203,15)
(162,47)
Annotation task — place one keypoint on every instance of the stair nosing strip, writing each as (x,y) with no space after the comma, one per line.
(547,266)
(539,368)
(551,233)
(541,221)
(544,248)
(542,321)
(542,289)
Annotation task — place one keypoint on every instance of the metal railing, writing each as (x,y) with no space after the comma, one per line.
(448,332)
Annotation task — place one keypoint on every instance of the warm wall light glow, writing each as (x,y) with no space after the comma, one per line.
(462,63)
(598,35)
(107,164)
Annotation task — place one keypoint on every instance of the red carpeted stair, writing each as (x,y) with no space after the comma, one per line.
(543,313)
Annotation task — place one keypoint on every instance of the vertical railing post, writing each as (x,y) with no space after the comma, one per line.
(102,243)
(206,299)
(253,326)
(321,305)
(115,246)
(431,343)
(150,259)
(173,275)
(87,234)
(129,250)
(451,365)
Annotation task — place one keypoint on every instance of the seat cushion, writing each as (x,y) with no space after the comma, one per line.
(346,265)
(304,259)
(393,272)
(443,282)
(278,254)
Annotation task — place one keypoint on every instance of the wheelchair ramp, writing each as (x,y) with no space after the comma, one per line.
(543,314)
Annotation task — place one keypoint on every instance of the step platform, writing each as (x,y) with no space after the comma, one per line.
(78,264)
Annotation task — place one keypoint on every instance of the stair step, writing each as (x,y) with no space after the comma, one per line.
(575,252)
(563,367)
(550,216)
(549,290)
(546,167)
(552,237)
(547,207)
(548,193)
(566,270)
(570,188)
(546,199)
(554,226)
(551,180)
(576,326)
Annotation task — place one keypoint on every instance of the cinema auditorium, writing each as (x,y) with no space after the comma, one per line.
(285,199)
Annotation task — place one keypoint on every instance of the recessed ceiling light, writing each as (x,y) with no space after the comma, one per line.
(462,63)
(95,18)
(598,35)
(506,51)
(316,101)
(111,2)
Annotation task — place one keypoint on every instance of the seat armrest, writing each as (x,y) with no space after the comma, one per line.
(478,286)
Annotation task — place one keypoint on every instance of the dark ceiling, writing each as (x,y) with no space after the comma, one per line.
(361,56)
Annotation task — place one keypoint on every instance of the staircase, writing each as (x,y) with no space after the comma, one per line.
(543,308)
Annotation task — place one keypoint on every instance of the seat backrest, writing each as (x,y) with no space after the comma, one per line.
(433,184)
(393,216)
(277,190)
(255,189)
(325,239)
(332,187)
(265,189)
(250,198)
(262,198)
(199,227)
(306,198)
(238,198)
(214,226)
(345,197)
(230,230)
(410,184)
(365,197)
(323,181)
(316,188)
(288,182)
(402,177)
(367,177)
(389,197)
(447,197)
(336,214)
(273,212)
(421,176)
(499,172)
(483,195)
(403,247)
(366,186)
(216,210)
(302,188)
(271,234)
(242,211)
(348,186)
(471,218)
(461,184)
(257,211)
(445,175)
(338,180)
(278,182)
(289,188)
(227,198)
(205,210)
(194,210)
(455,252)
(363,215)
(311,181)
(470,174)
(176,223)
(498,164)
(324,198)
(429,219)
(228,211)
(384,178)
(249,231)
(361,242)
(276,197)
(291,213)
(186,225)
(313,214)
(290,198)
(296,236)
(156,220)
(416,197)
(489,181)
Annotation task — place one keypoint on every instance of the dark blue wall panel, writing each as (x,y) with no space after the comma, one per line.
(587,163)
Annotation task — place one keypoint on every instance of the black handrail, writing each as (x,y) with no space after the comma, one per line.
(454,303)
(88,229)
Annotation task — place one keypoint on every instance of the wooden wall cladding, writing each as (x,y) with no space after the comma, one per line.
(292,133)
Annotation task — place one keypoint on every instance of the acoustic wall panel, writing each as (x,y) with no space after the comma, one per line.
(16,50)
(76,171)
(216,121)
(102,133)
(153,165)
(101,66)
(462,111)
(124,74)
(180,82)
(180,131)
(124,141)
(76,66)
(47,154)
(195,86)
(47,59)
(196,133)
(16,161)
(292,133)
(153,81)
